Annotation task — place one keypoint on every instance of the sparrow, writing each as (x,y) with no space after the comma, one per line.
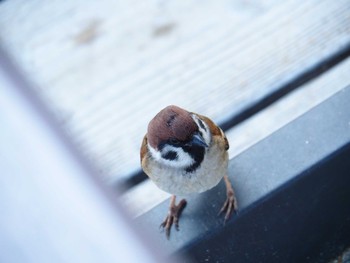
(184,153)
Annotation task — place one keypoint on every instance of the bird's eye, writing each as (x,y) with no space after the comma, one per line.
(174,141)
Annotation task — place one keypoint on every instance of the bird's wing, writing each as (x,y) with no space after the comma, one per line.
(144,149)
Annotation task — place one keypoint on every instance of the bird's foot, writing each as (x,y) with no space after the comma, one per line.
(173,216)
(230,204)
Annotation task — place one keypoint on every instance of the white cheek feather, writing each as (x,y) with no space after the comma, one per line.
(205,132)
(183,159)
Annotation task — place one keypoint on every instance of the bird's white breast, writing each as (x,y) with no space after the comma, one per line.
(179,182)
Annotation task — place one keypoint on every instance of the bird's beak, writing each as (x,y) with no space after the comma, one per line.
(198,140)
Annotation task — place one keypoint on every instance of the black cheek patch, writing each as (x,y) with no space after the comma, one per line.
(197,153)
(171,156)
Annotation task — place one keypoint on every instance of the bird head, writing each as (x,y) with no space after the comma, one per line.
(177,138)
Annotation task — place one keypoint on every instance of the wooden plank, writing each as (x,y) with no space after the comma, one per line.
(108,68)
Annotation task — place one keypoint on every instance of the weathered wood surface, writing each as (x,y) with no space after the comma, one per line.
(107,68)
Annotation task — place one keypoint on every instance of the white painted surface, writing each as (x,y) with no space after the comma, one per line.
(51,209)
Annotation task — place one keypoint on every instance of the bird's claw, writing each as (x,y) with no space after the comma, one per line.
(229,206)
(173,218)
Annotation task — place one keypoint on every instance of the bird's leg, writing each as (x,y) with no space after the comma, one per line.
(230,204)
(173,215)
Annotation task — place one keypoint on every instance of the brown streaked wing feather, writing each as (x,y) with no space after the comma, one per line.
(144,155)
(214,129)
(144,149)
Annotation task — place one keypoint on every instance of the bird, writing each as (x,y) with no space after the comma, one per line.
(183,153)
